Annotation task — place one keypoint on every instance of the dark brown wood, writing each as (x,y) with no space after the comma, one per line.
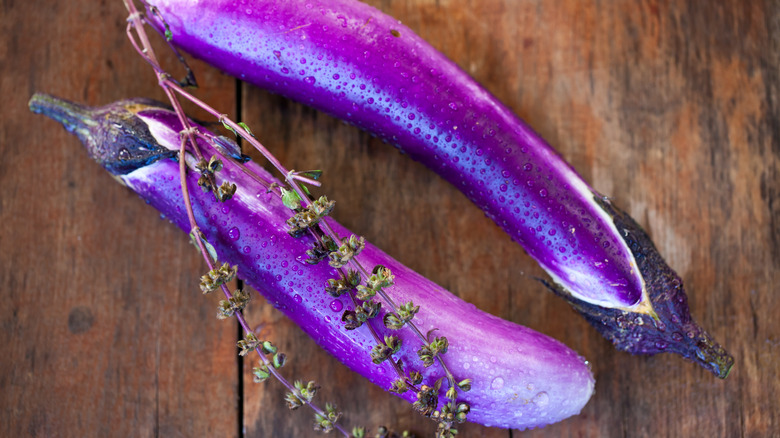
(105,330)
(671,108)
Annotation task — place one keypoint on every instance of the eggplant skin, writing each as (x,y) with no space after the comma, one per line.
(358,64)
(521,379)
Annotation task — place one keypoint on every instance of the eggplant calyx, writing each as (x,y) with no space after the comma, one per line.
(661,322)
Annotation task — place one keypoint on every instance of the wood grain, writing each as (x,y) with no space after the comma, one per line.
(671,108)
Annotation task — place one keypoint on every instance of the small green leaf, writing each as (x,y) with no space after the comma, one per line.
(290,199)
(229,128)
(268,347)
(209,248)
(246,128)
(313,174)
(168,34)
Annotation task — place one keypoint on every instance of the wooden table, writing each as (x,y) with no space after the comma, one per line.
(670,107)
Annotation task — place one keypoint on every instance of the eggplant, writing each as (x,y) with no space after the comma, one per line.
(358,64)
(520,378)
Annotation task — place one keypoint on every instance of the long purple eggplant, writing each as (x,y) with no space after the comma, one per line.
(356,63)
(530,380)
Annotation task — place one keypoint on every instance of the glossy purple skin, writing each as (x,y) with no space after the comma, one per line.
(521,378)
(356,63)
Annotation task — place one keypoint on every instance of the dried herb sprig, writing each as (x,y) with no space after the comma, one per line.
(295,196)
(218,275)
(365,308)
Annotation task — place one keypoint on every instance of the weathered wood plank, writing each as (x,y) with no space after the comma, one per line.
(671,108)
(106,332)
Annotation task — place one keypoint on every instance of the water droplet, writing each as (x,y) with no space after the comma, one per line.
(277,53)
(677,337)
(453,105)
(528,167)
(497,383)
(234,233)
(124,154)
(336,305)
(309,80)
(297,298)
(541,399)
(543,193)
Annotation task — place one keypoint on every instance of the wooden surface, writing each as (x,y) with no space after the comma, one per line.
(671,108)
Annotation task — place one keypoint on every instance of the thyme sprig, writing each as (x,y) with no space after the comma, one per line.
(344,252)
(218,274)
(341,253)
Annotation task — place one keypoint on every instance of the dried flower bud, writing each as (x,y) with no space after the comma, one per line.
(428,353)
(214,165)
(371,308)
(465,385)
(217,277)
(225,191)
(320,250)
(202,166)
(293,401)
(415,377)
(380,353)
(353,277)
(392,322)
(452,393)
(238,302)
(364,293)
(325,423)
(260,373)
(381,277)
(308,391)
(405,314)
(426,401)
(350,319)
(336,287)
(383,351)
(279,360)
(205,183)
(248,344)
(399,387)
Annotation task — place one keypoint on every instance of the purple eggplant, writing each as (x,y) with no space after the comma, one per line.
(358,64)
(533,381)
